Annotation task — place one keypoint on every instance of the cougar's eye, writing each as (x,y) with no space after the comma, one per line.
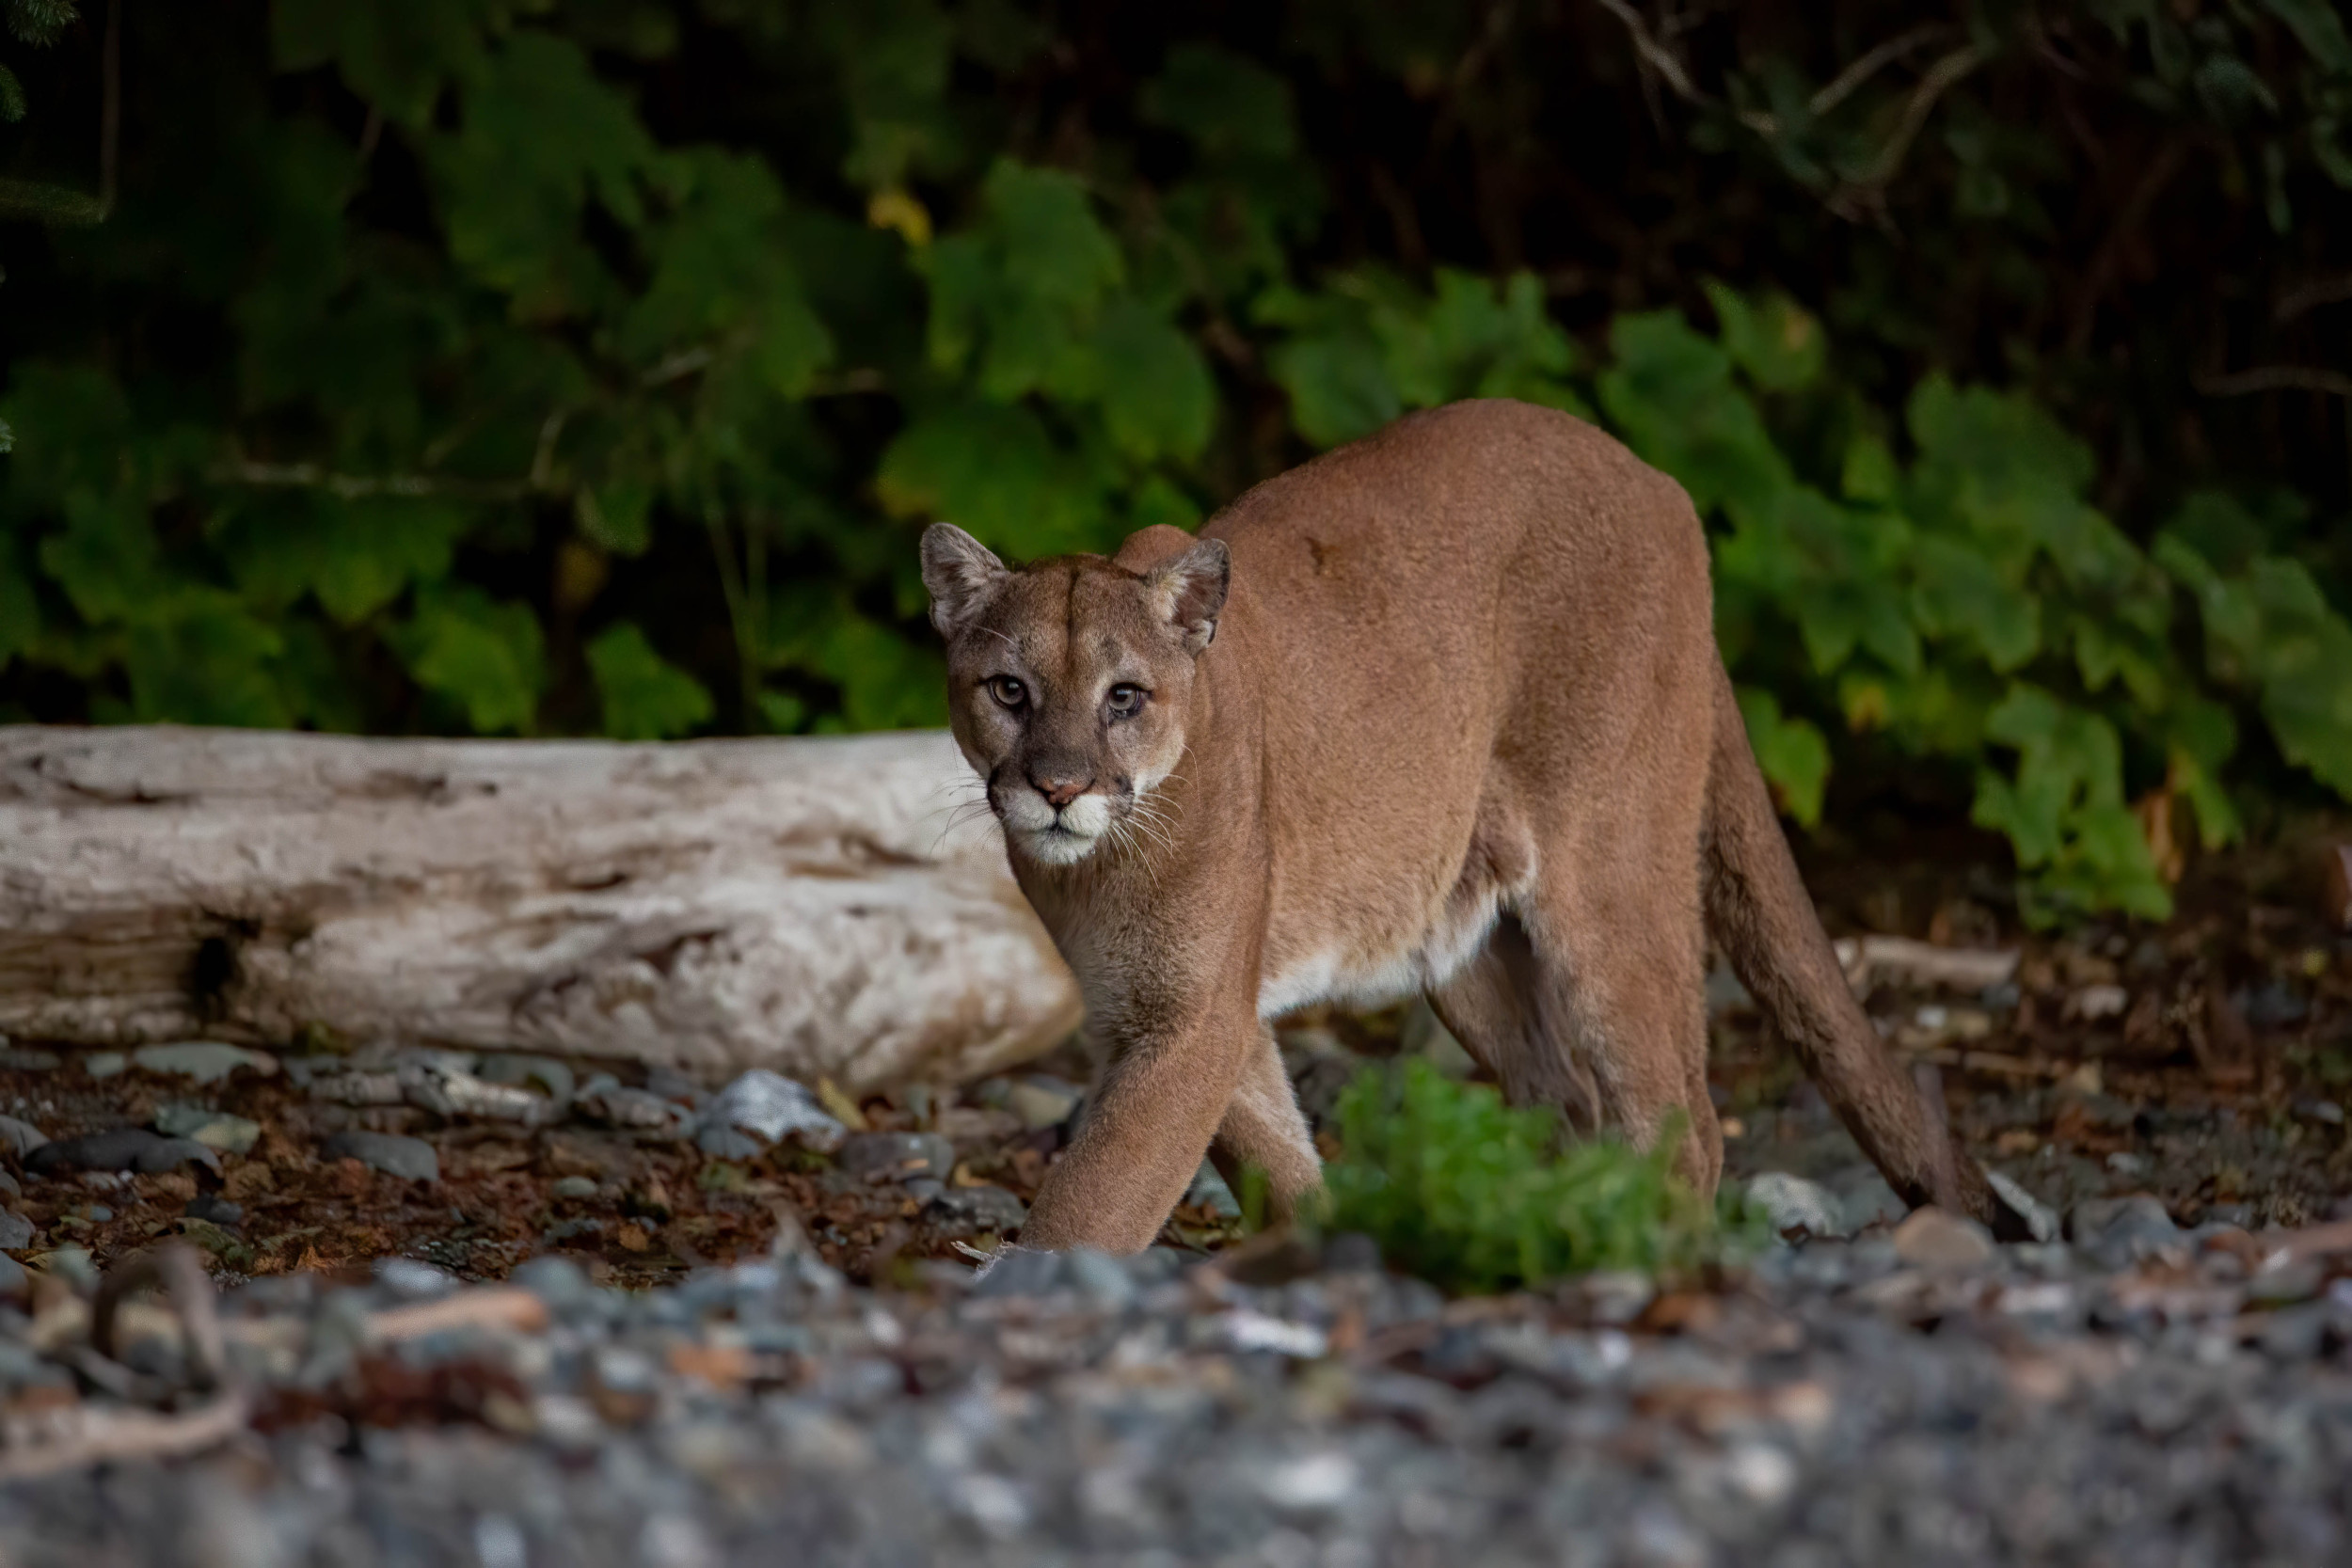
(1008,692)
(1124,700)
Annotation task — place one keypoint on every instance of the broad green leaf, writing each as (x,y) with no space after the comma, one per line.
(1670,394)
(618,516)
(993,470)
(199,658)
(723,278)
(513,197)
(2271,628)
(1338,386)
(893,57)
(486,655)
(1791,752)
(1772,338)
(644,696)
(395,56)
(1022,286)
(1960,595)
(1229,105)
(1157,397)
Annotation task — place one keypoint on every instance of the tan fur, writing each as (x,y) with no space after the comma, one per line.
(1457,727)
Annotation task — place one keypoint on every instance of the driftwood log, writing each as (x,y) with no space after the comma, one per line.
(806,905)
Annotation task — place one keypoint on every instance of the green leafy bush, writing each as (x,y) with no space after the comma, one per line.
(591,368)
(1476,1197)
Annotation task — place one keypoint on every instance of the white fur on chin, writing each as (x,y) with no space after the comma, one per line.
(1055,838)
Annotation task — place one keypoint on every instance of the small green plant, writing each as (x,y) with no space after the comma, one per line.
(1476,1197)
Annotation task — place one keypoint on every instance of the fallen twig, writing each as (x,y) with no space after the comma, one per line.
(1923,964)
(512,1307)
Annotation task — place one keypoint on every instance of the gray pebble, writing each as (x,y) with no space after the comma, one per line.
(22,1138)
(727,1143)
(213,1129)
(973,1209)
(575,1186)
(17,1060)
(205,1061)
(774,1108)
(15,1231)
(899,1155)
(390,1153)
(1792,1203)
(214,1210)
(1020,1272)
(515,1067)
(123,1149)
(639,1111)
(1098,1277)
(2121,1230)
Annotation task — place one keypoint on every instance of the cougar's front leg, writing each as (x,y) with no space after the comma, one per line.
(1157,1101)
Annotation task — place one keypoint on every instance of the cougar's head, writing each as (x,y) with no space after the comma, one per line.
(1068,681)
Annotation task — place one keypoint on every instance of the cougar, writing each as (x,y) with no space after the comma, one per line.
(1439,712)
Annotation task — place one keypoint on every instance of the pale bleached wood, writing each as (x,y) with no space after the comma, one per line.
(809,905)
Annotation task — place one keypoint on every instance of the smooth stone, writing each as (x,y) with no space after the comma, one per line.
(104,1064)
(1867,1199)
(977,1209)
(390,1153)
(15,1231)
(413,1279)
(214,1129)
(2296,1333)
(774,1108)
(575,1186)
(23,1138)
(17,1060)
(2041,1221)
(1019,1270)
(1041,1101)
(637,1110)
(1792,1203)
(1209,1191)
(1098,1277)
(515,1069)
(2287,1284)
(2122,1230)
(16,1281)
(120,1148)
(206,1061)
(212,1209)
(899,1155)
(728,1142)
(557,1281)
(1934,1239)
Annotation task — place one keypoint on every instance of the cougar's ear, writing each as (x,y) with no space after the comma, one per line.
(959,571)
(1189,591)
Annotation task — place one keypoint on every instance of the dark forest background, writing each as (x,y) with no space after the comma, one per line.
(590,368)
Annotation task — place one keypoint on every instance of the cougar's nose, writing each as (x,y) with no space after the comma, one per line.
(1060,791)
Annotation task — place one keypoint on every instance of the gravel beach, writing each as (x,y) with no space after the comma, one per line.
(2141,1396)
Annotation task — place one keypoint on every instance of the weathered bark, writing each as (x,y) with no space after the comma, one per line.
(806,905)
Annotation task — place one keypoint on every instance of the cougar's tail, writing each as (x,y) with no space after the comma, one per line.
(1761,915)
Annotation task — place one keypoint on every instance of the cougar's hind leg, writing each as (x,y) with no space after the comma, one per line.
(1491,1007)
(1618,988)
(1264,1127)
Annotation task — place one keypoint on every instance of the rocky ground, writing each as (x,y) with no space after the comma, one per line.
(445,1306)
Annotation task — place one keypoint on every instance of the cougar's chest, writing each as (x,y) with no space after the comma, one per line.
(1367,947)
